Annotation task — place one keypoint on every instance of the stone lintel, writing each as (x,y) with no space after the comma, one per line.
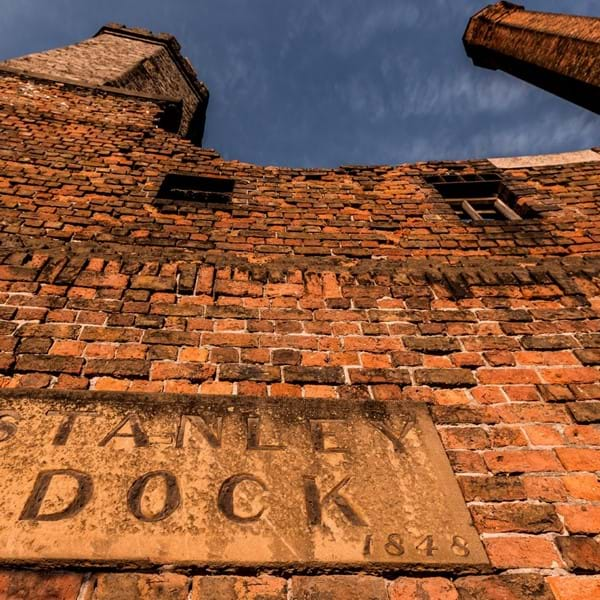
(546,160)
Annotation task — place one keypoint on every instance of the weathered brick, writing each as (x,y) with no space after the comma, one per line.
(497,488)
(109,334)
(150,282)
(340,587)
(445,377)
(238,288)
(585,412)
(432,344)
(398,376)
(241,372)
(286,356)
(432,588)
(137,586)
(39,585)
(520,517)
(473,438)
(589,356)
(580,552)
(182,370)
(95,280)
(263,587)
(548,342)
(117,368)
(522,461)
(167,336)
(327,375)
(517,586)
(48,364)
(48,330)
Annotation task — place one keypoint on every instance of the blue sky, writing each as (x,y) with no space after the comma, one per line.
(329,82)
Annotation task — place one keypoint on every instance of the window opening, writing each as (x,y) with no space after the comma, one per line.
(195,188)
(477,197)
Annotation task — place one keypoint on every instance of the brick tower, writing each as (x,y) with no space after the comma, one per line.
(226,381)
(131,60)
(559,53)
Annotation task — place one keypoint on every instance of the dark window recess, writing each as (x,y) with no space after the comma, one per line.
(478,197)
(196,189)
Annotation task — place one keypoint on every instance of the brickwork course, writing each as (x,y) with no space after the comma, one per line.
(356,283)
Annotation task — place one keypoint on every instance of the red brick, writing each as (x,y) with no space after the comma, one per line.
(519,552)
(471,438)
(488,395)
(544,488)
(444,377)
(238,288)
(522,393)
(543,435)
(570,375)
(583,435)
(39,585)
(327,375)
(94,280)
(240,372)
(517,586)
(149,282)
(263,587)
(503,376)
(182,370)
(219,388)
(501,436)
(564,357)
(536,412)
(135,586)
(340,587)
(522,461)
(582,486)
(519,517)
(432,588)
(580,518)
(575,587)
(579,459)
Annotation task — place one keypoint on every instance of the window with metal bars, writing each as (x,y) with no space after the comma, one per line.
(477,197)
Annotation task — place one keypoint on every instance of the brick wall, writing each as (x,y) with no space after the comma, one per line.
(355,283)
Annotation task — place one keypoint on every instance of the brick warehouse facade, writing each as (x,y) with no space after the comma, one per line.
(135,261)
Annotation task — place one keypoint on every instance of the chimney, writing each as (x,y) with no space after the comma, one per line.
(135,60)
(558,53)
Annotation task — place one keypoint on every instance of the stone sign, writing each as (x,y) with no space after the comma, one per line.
(98,478)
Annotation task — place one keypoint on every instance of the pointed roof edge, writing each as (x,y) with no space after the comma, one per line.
(167,40)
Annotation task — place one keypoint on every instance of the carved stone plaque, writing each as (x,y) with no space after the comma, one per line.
(99,478)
